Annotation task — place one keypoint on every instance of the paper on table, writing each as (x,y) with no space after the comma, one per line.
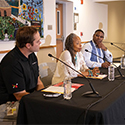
(74,85)
(55,89)
(97,77)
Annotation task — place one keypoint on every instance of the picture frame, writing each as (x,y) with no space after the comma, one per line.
(76,17)
(19,13)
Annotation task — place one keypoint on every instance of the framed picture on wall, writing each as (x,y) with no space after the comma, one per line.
(18,13)
(36,24)
(76,17)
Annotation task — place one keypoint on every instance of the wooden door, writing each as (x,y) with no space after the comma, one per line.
(59,29)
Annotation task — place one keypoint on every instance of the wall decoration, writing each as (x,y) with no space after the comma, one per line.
(76,20)
(36,24)
(76,17)
(81,1)
(18,13)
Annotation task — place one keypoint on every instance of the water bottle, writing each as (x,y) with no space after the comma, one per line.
(111,72)
(67,88)
(123,62)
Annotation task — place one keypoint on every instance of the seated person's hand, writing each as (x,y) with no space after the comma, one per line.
(96,71)
(88,72)
(105,64)
(102,46)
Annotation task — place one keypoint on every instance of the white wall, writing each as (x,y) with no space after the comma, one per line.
(49,19)
(107,0)
(6,45)
(116,27)
(67,19)
(90,16)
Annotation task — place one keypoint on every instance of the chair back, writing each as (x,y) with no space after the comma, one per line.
(46,71)
(8,113)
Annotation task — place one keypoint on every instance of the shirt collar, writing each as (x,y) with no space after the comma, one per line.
(94,43)
(20,54)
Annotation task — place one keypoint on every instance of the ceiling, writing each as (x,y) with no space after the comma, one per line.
(98,1)
(108,0)
(64,0)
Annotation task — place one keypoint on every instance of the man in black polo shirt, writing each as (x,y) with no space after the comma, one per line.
(19,73)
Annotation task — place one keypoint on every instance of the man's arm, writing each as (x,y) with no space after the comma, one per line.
(39,84)
(102,46)
(105,64)
(19,95)
(87,56)
(108,54)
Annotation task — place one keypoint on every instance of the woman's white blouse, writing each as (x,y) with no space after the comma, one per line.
(63,71)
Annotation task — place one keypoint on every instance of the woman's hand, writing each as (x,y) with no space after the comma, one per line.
(96,71)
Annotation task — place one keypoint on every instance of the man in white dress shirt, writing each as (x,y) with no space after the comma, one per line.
(96,47)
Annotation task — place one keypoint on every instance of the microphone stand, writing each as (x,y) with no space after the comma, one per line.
(92,93)
(118,47)
(122,58)
(105,60)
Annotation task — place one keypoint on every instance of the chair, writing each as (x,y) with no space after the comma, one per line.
(46,71)
(117,59)
(8,119)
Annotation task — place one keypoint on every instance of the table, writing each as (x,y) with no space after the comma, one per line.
(110,109)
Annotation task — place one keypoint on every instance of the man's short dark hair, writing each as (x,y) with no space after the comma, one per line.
(25,35)
(99,30)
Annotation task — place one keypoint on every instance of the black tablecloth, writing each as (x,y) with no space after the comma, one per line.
(36,109)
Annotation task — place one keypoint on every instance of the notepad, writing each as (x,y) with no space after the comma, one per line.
(56,89)
(74,85)
(97,77)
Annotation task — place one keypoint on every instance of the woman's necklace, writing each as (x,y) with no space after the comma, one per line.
(75,59)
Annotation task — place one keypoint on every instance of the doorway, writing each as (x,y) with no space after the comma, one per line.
(64,23)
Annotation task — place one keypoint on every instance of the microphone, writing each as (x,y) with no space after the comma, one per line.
(117,47)
(122,58)
(92,93)
(104,59)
